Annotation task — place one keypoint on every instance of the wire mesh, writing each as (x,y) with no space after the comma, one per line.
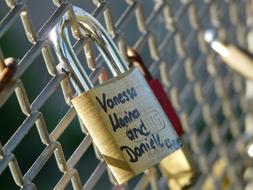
(208,96)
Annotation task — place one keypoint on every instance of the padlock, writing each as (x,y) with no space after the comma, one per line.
(179,167)
(157,89)
(231,55)
(122,115)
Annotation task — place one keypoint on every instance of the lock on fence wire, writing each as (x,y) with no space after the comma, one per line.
(122,115)
(179,168)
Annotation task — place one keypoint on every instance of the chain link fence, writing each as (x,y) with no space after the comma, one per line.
(38,122)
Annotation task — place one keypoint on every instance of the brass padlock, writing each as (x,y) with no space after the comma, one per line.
(231,55)
(122,115)
(179,169)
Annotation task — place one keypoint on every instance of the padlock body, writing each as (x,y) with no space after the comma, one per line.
(179,169)
(163,99)
(127,124)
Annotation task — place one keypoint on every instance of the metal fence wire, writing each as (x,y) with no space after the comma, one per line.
(208,96)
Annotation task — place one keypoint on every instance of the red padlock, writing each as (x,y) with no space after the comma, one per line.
(157,88)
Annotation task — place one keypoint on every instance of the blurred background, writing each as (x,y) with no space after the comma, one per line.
(212,101)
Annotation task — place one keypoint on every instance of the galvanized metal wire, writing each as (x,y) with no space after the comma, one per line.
(208,96)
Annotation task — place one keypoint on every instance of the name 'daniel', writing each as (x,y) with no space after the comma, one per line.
(141,130)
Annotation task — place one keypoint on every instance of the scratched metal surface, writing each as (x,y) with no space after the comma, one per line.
(209,97)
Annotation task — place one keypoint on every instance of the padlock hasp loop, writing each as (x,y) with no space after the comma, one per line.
(94,30)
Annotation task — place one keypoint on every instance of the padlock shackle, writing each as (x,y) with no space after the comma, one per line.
(92,29)
(67,56)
